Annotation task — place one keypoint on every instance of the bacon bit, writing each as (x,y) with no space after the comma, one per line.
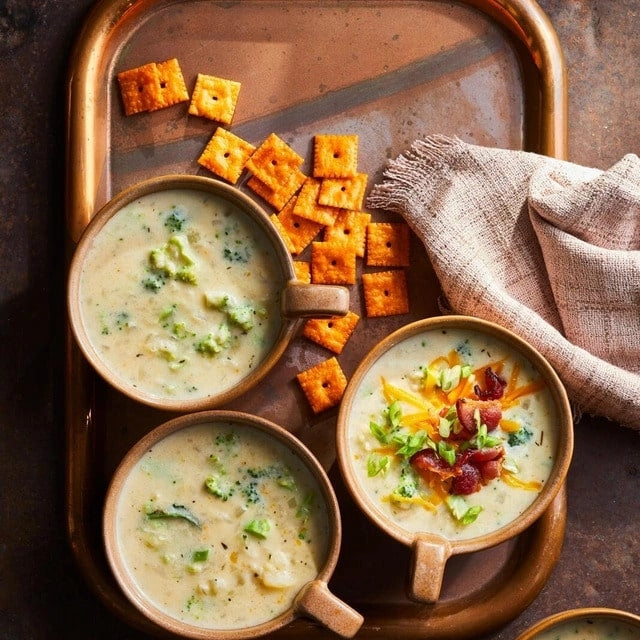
(473,468)
(427,460)
(469,481)
(494,386)
(490,470)
(480,456)
(488,461)
(490,414)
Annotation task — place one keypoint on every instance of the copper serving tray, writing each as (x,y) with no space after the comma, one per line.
(489,71)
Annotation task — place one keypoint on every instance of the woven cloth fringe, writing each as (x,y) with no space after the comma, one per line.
(544,247)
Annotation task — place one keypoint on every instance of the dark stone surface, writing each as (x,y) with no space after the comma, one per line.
(41,593)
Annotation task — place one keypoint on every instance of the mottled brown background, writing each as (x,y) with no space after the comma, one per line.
(41,594)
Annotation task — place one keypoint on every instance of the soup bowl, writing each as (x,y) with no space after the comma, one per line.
(589,623)
(453,435)
(219,524)
(182,294)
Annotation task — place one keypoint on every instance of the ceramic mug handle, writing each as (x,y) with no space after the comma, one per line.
(316,601)
(302,300)
(427,570)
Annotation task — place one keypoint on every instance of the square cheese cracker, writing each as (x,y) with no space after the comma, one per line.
(307,205)
(214,98)
(335,155)
(274,161)
(333,263)
(226,154)
(385,293)
(388,244)
(331,333)
(323,384)
(344,193)
(300,231)
(350,227)
(152,86)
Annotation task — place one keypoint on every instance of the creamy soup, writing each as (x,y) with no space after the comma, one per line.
(221,525)
(452,433)
(180,294)
(592,629)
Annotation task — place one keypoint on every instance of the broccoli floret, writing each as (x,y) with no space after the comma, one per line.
(215,300)
(176,219)
(216,488)
(171,260)
(522,436)
(241,315)
(214,343)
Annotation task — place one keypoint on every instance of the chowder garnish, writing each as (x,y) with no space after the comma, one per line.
(452,437)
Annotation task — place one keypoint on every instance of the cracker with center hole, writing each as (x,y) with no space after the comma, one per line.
(335,155)
(307,204)
(323,384)
(385,293)
(274,161)
(331,333)
(214,98)
(333,263)
(350,227)
(140,89)
(172,85)
(299,230)
(283,232)
(388,244)
(226,154)
(344,193)
(303,270)
(278,197)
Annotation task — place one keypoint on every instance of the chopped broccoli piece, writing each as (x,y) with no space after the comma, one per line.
(241,315)
(215,487)
(408,486)
(200,555)
(216,300)
(214,343)
(258,528)
(171,260)
(522,436)
(305,507)
(176,219)
(177,511)
(154,282)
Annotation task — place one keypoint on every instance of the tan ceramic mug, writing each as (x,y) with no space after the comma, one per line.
(149,301)
(356,446)
(175,458)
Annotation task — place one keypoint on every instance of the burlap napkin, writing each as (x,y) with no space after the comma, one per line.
(544,247)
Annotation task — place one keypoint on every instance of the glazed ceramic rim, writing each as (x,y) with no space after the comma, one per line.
(558,472)
(110,209)
(136,596)
(570,615)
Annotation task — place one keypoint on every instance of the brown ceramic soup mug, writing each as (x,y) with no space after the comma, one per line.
(453,435)
(183,295)
(589,623)
(222,525)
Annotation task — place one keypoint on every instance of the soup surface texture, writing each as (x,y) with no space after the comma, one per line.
(220,525)
(451,432)
(597,628)
(180,294)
